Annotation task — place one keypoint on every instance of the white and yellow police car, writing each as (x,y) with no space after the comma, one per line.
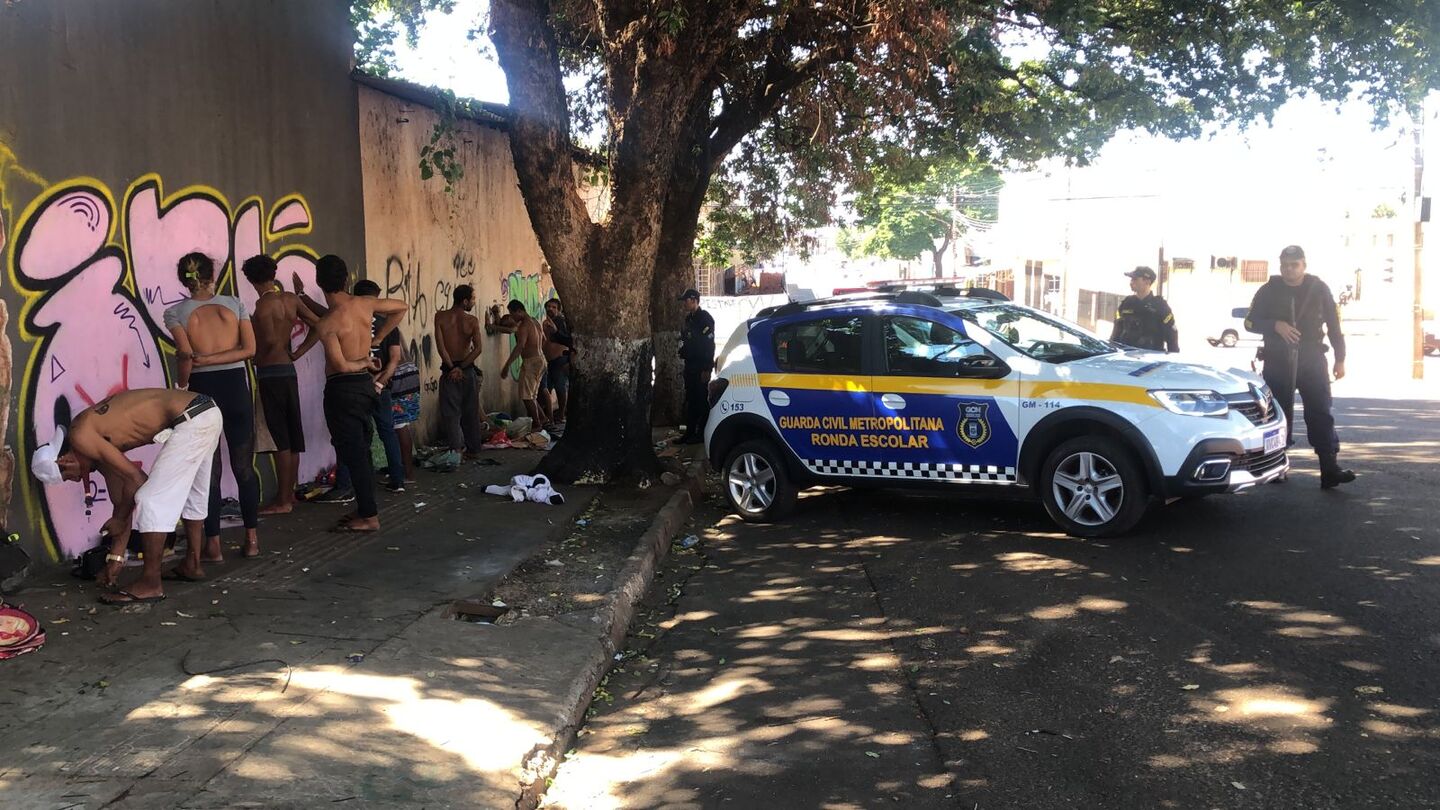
(907,389)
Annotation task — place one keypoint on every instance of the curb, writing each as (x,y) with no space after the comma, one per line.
(613,618)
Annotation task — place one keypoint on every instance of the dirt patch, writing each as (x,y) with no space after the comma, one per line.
(576,572)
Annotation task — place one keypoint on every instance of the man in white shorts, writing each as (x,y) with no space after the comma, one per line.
(188,426)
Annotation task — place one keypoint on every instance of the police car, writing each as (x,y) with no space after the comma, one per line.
(908,389)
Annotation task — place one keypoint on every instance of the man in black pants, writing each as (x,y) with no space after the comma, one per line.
(350,389)
(1296,312)
(697,349)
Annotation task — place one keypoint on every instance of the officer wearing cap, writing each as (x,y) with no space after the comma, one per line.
(697,349)
(1144,320)
(1296,313)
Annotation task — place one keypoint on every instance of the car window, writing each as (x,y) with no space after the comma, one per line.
(921,348)
(824,346)
(1036,335)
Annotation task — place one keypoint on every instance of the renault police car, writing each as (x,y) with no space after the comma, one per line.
(908,389)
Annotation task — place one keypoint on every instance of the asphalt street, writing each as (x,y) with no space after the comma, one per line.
(1276,648)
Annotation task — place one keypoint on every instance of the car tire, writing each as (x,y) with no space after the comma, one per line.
(756,484)
(1229,339)
(1093,487)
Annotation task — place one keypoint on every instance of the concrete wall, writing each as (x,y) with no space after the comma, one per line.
(421,241)
(130,134)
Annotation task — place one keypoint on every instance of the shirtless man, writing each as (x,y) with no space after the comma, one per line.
(350,391)
(559,348)
(532,362)
(274,319)
(188,428)
(457,333)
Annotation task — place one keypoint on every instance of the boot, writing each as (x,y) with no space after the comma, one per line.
(1331,475)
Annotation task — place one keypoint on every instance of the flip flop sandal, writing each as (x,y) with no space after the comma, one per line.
(130,599)
(175,575)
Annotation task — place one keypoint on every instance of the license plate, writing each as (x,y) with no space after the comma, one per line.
(1274,440)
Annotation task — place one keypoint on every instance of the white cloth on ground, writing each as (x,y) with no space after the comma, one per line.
(535,488)
(179,482)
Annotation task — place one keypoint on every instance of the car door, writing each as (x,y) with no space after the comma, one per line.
(816,387)
(945,406)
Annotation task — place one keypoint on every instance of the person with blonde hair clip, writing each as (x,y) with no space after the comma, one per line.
(213,339)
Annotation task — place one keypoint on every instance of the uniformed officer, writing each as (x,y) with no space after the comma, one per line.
(697,349)
(1296,312)
(1144,320)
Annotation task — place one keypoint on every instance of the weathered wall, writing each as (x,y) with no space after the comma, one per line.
(130,134)
(421,241)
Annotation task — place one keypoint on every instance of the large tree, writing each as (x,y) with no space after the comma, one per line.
(834,89)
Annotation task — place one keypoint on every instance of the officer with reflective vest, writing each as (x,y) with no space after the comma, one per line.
(1296,312)
(1144,320)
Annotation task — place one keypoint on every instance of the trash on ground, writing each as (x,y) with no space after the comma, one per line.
(669,479)
(689,541)
(533,488)
(355,658)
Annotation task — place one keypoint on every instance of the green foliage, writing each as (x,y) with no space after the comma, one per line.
(920,208)
(1383,211)
(379,23)
(438,157)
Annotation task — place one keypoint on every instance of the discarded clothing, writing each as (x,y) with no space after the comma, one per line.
(533,488)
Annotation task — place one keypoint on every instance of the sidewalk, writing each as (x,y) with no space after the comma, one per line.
(335,673)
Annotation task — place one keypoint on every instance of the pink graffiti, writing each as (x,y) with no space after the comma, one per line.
(96,338)
(97,344)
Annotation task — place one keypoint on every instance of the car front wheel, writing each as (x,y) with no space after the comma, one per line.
(1093,487)
(756,484)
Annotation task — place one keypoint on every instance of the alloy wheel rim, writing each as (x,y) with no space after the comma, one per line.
(1088,489)
(752,483)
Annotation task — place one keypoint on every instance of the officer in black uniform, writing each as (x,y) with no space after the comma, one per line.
(1296,312)
(1144,320)
(697,349)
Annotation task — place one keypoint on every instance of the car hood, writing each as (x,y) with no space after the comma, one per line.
(1157,370)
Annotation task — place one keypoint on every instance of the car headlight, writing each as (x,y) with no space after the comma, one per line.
(1192,403)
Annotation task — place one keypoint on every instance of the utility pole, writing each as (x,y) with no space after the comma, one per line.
(1417,360)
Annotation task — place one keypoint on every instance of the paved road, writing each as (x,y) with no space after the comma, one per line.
(1279,648)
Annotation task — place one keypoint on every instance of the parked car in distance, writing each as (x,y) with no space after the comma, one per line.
(1230,332)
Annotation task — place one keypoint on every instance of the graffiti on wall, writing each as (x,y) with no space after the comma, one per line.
(97,278)
(405,279)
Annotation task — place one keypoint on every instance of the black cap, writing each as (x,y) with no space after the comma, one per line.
(1142,272)
(1292,252)
(690,293)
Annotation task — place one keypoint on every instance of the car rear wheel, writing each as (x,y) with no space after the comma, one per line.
(1229,339)
(756,484)
(1093,487)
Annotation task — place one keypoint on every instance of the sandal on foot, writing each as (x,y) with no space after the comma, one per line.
(123,598)
(176,575)
(346,528)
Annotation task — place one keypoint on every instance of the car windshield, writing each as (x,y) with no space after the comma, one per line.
(1035,335)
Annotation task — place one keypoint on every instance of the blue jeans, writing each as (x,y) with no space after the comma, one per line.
(385,428)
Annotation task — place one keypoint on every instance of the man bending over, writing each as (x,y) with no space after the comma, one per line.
(188,428)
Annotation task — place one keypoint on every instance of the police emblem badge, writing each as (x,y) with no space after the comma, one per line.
(974,427)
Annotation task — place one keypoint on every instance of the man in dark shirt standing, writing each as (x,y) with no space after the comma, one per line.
(1144,320)
(1295,313)
(697,349)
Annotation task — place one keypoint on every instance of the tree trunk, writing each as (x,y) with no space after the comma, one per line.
(675,266)
(611,429)
(940,255)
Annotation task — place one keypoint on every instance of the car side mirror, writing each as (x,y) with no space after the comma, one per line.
(995,372)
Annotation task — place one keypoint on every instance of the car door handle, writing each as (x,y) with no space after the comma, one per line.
(894,402)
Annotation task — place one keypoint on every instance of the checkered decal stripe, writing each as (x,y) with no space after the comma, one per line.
(915,470)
